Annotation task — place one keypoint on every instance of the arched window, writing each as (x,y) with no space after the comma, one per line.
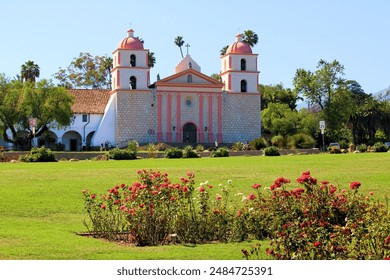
(132,60)
(133,82)
(243,64)
(243,86)
(189,78)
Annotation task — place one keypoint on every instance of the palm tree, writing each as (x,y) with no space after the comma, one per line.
(250,37)
(30,71)
(151,59)
(223,50)
(179,42)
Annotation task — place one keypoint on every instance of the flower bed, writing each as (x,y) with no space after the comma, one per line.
(311,221)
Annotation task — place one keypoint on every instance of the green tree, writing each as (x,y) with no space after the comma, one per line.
(279,119)
(151,59)
(180,42)
(49,104)
(250,37)
(278,94)
(330,94)
(86,71)
(320,86)
(29,71)
(223,50)
(216,76)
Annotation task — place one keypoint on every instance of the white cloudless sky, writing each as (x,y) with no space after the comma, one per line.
(292,34)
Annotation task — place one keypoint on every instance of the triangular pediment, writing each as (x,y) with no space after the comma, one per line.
(189,77)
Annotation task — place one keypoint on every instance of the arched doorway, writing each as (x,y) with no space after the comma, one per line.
(72,141)
(189,133)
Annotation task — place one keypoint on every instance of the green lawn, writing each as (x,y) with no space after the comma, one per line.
(41,205)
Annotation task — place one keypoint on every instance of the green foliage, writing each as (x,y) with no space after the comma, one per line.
(278,118)
(271,151)
(220,152)
(238,146)
(41,154)
(188,152)
(279,141)
(29,71)
(199,148)
(321,221)
(50,105)
(277,94)
(173,153)
(301,141)
(86,71)
(121,154)
(132,146)
(259,143)
(379,147)
(362,148)
(250,37)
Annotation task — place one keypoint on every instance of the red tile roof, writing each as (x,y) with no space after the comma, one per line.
(89,101)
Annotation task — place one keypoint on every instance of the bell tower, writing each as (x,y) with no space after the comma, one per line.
(239,68)
(130,65)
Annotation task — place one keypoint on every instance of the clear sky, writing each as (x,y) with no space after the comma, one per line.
(292,34)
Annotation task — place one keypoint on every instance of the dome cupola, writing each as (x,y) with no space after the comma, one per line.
(131,42)
(239,47)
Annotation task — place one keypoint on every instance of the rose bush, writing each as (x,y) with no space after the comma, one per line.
(310,220)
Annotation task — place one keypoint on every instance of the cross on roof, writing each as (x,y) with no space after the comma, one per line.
(187,46)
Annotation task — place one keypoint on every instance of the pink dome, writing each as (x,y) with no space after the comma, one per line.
(239,46)
(131,42)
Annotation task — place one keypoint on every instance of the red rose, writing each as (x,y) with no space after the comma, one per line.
(317,243)
(354,185)
(251,196)
(256,186)
(202,189)
(103,206)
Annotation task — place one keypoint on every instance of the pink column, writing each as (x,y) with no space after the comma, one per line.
(201,133)
(169,117)
(159,118)
(178,120)
(210,121)
(219,135)
(118,79)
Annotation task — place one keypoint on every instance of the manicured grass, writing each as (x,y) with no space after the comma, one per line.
(41,205)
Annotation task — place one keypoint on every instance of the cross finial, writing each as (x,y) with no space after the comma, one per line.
(187,46)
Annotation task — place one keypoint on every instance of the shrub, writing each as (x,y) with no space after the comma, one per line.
(199,148)
(3,157)
(271,151)
(220,152)
(238,146)
(379,147)
(162,147)
(301,141)
(41,154)
(152,149)
(121,154)
(362,148)
(344,144)
(278,141)
(132,146)
(321,221)
(259,143)
(311,221)
(173,153)
(188,152)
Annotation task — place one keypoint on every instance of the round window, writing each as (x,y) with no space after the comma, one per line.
(188,102)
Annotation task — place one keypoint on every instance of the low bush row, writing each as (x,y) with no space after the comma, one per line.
(310,221)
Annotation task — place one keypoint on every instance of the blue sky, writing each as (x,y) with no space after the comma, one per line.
(293,34)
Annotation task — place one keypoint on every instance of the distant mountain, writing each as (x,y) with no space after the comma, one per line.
(383,94)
